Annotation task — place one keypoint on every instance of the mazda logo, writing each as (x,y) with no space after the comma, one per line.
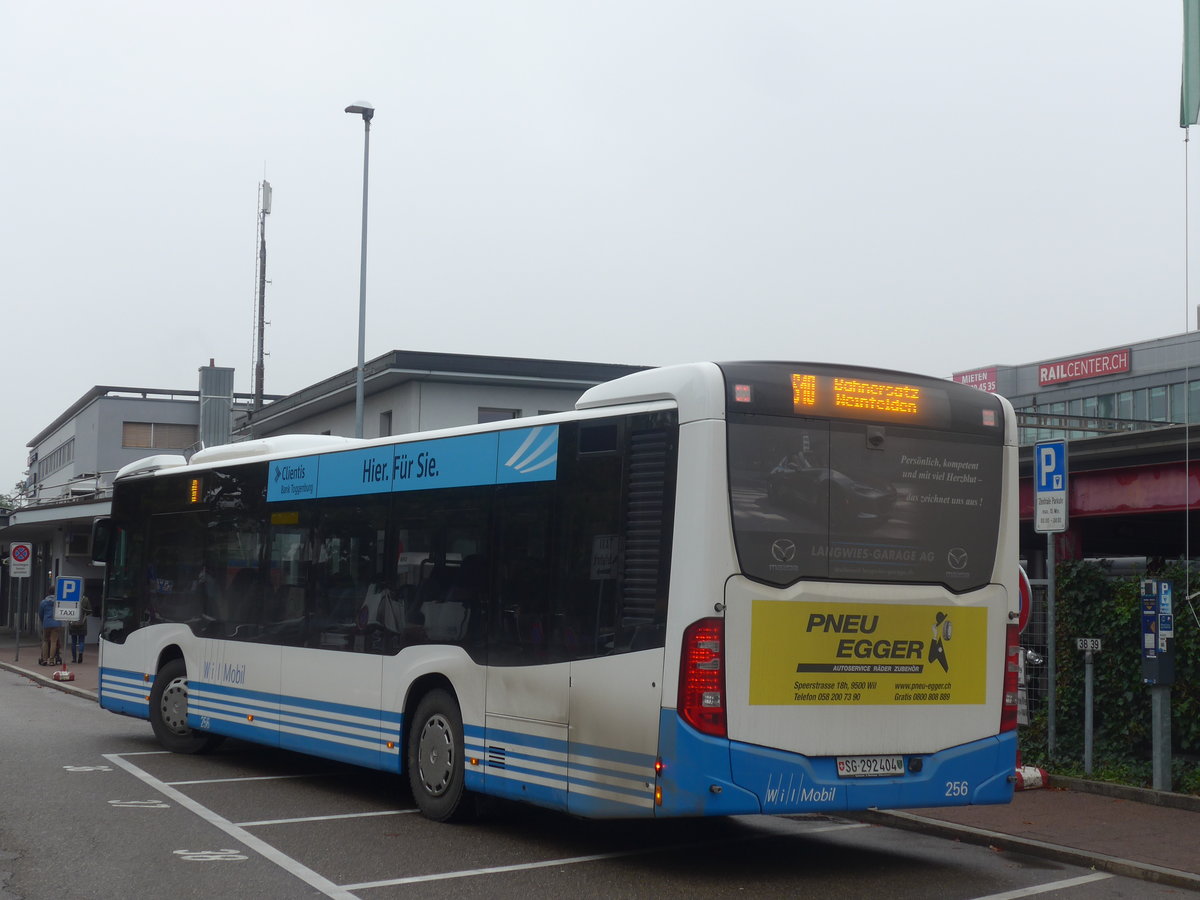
(957,558)
(783,550)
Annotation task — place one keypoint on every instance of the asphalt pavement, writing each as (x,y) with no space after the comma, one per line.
(1153,835)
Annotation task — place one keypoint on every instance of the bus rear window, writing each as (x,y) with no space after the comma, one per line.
(849,501)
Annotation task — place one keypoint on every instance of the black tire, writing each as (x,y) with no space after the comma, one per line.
(168,712)
(435,759)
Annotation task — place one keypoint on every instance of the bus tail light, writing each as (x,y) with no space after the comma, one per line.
(702,677)
(1008,713)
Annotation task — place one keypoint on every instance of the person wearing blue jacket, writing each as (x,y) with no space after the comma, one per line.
(51,632)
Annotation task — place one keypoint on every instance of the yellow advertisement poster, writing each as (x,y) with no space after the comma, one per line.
(833,654)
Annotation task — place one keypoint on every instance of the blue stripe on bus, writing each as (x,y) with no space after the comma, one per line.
(324,728)
(307,706)
(126,692)
(469,460)
(511,769)
(500,736)
(336,730)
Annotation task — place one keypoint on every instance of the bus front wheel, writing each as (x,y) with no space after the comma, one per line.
(435,759)
(168,712)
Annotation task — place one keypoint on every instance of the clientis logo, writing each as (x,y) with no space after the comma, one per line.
(285,472)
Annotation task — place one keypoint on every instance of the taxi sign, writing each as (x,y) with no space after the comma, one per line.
(68,592)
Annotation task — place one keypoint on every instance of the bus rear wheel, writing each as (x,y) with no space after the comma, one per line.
(169,709)
(435,759)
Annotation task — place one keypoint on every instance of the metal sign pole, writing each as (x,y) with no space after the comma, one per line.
(1051,513)
(1051,692)
(16,607)
(1088,676)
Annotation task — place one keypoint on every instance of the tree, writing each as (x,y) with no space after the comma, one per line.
(15,498)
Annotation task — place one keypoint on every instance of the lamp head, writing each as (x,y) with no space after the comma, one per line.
(366,110)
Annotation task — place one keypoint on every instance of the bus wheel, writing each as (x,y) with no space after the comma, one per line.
(435,759)
(168,712)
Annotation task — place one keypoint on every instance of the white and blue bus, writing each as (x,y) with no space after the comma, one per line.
(710,589)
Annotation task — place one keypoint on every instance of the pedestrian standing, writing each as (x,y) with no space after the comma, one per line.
(78,630)
(51,632)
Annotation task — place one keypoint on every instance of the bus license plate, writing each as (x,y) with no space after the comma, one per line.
(869,766)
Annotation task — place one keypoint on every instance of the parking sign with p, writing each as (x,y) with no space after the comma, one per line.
(68,592)
(1050,486)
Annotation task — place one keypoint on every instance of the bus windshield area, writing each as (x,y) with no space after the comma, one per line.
(841,500)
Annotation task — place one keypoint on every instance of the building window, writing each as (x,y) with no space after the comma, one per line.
(79,544)
(385,423)
(158,435)
(1158,403)
(62,455)
(1178,411)
(493,414)
(1125,405)
(1139,405)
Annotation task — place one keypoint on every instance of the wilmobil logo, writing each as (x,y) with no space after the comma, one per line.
(867,654)
(778,793)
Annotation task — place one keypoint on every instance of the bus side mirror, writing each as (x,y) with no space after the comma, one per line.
(101,531)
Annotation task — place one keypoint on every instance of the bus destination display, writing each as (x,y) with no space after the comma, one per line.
(832,395)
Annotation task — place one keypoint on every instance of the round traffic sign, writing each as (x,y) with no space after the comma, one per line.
(20,552)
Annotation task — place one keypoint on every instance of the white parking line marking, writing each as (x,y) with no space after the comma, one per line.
(571,860)
(1036,889)
(249,778)
(305,874)
(361,815)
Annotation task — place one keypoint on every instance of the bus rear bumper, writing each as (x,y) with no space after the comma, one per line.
(974,773)
(704,775)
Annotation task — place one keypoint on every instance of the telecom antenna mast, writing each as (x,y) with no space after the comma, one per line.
(264,210)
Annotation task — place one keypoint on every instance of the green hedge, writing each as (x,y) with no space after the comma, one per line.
(1091,603)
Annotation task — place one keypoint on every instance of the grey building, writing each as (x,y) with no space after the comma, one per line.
(72,462)
(1154,382)
(406,391)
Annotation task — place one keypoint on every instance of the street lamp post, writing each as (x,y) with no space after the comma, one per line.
(365,110)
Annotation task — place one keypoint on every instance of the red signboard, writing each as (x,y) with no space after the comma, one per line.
(984,379)
(1097,365)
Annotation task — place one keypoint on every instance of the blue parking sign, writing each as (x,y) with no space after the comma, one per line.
(1050,486)
(68,592)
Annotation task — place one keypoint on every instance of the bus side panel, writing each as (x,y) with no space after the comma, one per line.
(525,760)
(233,689)
(526,733)
(433,665)
(696,779)
(615,704)
(329,707)
(125,677)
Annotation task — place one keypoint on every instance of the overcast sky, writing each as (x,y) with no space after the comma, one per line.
(931,186)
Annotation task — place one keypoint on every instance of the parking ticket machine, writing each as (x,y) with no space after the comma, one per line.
(1158,632)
